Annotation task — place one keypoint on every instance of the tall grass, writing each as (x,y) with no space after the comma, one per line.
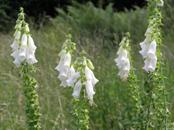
(97,31)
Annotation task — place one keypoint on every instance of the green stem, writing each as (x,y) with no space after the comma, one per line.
(81,114)
(31,98)
(134,101)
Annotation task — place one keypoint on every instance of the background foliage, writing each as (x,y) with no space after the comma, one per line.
(41,10)
(98,31)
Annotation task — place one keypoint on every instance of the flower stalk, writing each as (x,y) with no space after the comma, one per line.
(124,62)
(79,76)
(32,108)
(154,111)
(23,48)
(83,92)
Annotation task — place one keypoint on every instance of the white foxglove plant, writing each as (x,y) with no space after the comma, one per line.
(80,77)
(87,78)
(148,51)
(72,77)
(23,48)
(67,74)
(84,89)
(122,60)
(154,112)
(126,73)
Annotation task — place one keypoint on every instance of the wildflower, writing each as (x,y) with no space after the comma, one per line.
(148,52)
(90,83)
(67,74)
(122,61)
(86,78)
(77,89)
(23,47)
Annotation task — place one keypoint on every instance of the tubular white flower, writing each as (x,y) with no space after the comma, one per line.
(73,76)
(152,49)
(31,59)
(144,47)
(65,60)
(90,83)
(17,35)
(17,60)
(90,76)
(122,59)
(89,90)
(23,49)
(31,44)
(148,51)
(63,73)
(150,64)
(30,52)
(24,40)
(22,54)
(123,63)
(77,89)
(67,74)
(14,45)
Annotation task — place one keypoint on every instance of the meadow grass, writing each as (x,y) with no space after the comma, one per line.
(98,32)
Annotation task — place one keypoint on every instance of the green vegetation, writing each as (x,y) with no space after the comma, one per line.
(98,32)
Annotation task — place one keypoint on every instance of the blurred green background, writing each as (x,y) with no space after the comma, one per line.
(97,28)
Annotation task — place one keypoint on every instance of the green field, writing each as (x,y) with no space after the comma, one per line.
(98,32)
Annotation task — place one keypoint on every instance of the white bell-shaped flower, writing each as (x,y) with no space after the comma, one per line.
(122,59)
(30,52)
(63,73)
(17,35)
(73,76)
(90,76)
(124,70)
(22,54)
(23,49)
(144,47)
(151,59)
(90,83)
(17,60)
(89,90)
(150,64)
(65,60)
(123,63)
(15,45)
(67,74)
(31,59)
(24,40)
(152,49)
(31,44)
(77,89)
(148,52)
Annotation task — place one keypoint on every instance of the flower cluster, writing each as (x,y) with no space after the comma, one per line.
(77,76)
(67,74)
(89,83)
(148,51)
(24,55)
(23,46)
(122,60)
